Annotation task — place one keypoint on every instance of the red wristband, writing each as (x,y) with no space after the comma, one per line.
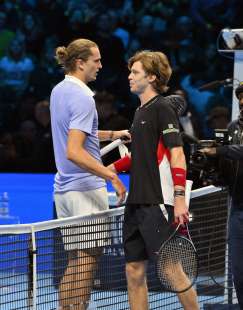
(179,176)
(123,164)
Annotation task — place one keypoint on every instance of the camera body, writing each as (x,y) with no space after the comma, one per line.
(232,38)
(203,169)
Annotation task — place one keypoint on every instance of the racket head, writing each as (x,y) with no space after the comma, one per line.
(177,264)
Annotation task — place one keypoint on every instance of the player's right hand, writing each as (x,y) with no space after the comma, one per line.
(119,188)
(181,213)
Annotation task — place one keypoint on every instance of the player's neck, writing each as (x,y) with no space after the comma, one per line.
(78,75)
(146,96)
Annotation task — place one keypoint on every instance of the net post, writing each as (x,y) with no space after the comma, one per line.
(34,268)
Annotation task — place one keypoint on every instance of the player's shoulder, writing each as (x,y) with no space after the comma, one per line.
(163,103)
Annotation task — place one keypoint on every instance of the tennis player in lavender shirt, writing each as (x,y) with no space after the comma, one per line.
(80,187)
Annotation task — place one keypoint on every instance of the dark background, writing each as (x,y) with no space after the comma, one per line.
(30,30)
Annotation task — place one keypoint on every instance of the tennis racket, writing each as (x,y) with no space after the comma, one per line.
(116,143)
(111,146)
(177,261)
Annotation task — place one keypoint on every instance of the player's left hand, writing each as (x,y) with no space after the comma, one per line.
(122,134)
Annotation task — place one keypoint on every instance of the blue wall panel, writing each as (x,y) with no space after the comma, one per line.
(30,195)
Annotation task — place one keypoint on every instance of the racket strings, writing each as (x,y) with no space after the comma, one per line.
(177,264)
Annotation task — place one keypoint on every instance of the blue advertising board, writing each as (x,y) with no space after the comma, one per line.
(31,195)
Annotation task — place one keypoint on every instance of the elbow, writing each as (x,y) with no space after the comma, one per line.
(71,155)
(76,157)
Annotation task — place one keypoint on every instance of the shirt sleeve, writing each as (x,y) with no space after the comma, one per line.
(82,112)
(169,126)
(233,152)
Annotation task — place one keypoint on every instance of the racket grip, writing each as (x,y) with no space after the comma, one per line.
(182,229)
(110,147)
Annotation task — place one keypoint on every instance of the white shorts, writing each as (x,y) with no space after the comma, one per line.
(89,234)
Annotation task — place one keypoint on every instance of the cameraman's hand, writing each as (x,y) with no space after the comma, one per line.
(211,151)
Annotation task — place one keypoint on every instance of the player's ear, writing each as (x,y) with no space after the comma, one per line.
(151,78)
(80,64)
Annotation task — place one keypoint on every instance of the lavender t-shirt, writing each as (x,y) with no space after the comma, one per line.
(73,107)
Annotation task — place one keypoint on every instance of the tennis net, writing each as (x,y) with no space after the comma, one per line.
(34,257)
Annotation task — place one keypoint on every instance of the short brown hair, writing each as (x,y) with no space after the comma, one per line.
(77,49)
(239,90)
(154,63)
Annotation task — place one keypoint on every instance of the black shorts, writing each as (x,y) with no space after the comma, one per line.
(145,229)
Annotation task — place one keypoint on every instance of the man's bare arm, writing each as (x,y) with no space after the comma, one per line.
(180,209)
(78,155)
(111,135)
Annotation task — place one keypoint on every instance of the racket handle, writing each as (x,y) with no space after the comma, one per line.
(181,229)
(111,146)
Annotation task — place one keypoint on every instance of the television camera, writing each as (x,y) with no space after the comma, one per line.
(202,169)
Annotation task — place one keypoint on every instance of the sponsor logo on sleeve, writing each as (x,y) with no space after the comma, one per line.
(170,129)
